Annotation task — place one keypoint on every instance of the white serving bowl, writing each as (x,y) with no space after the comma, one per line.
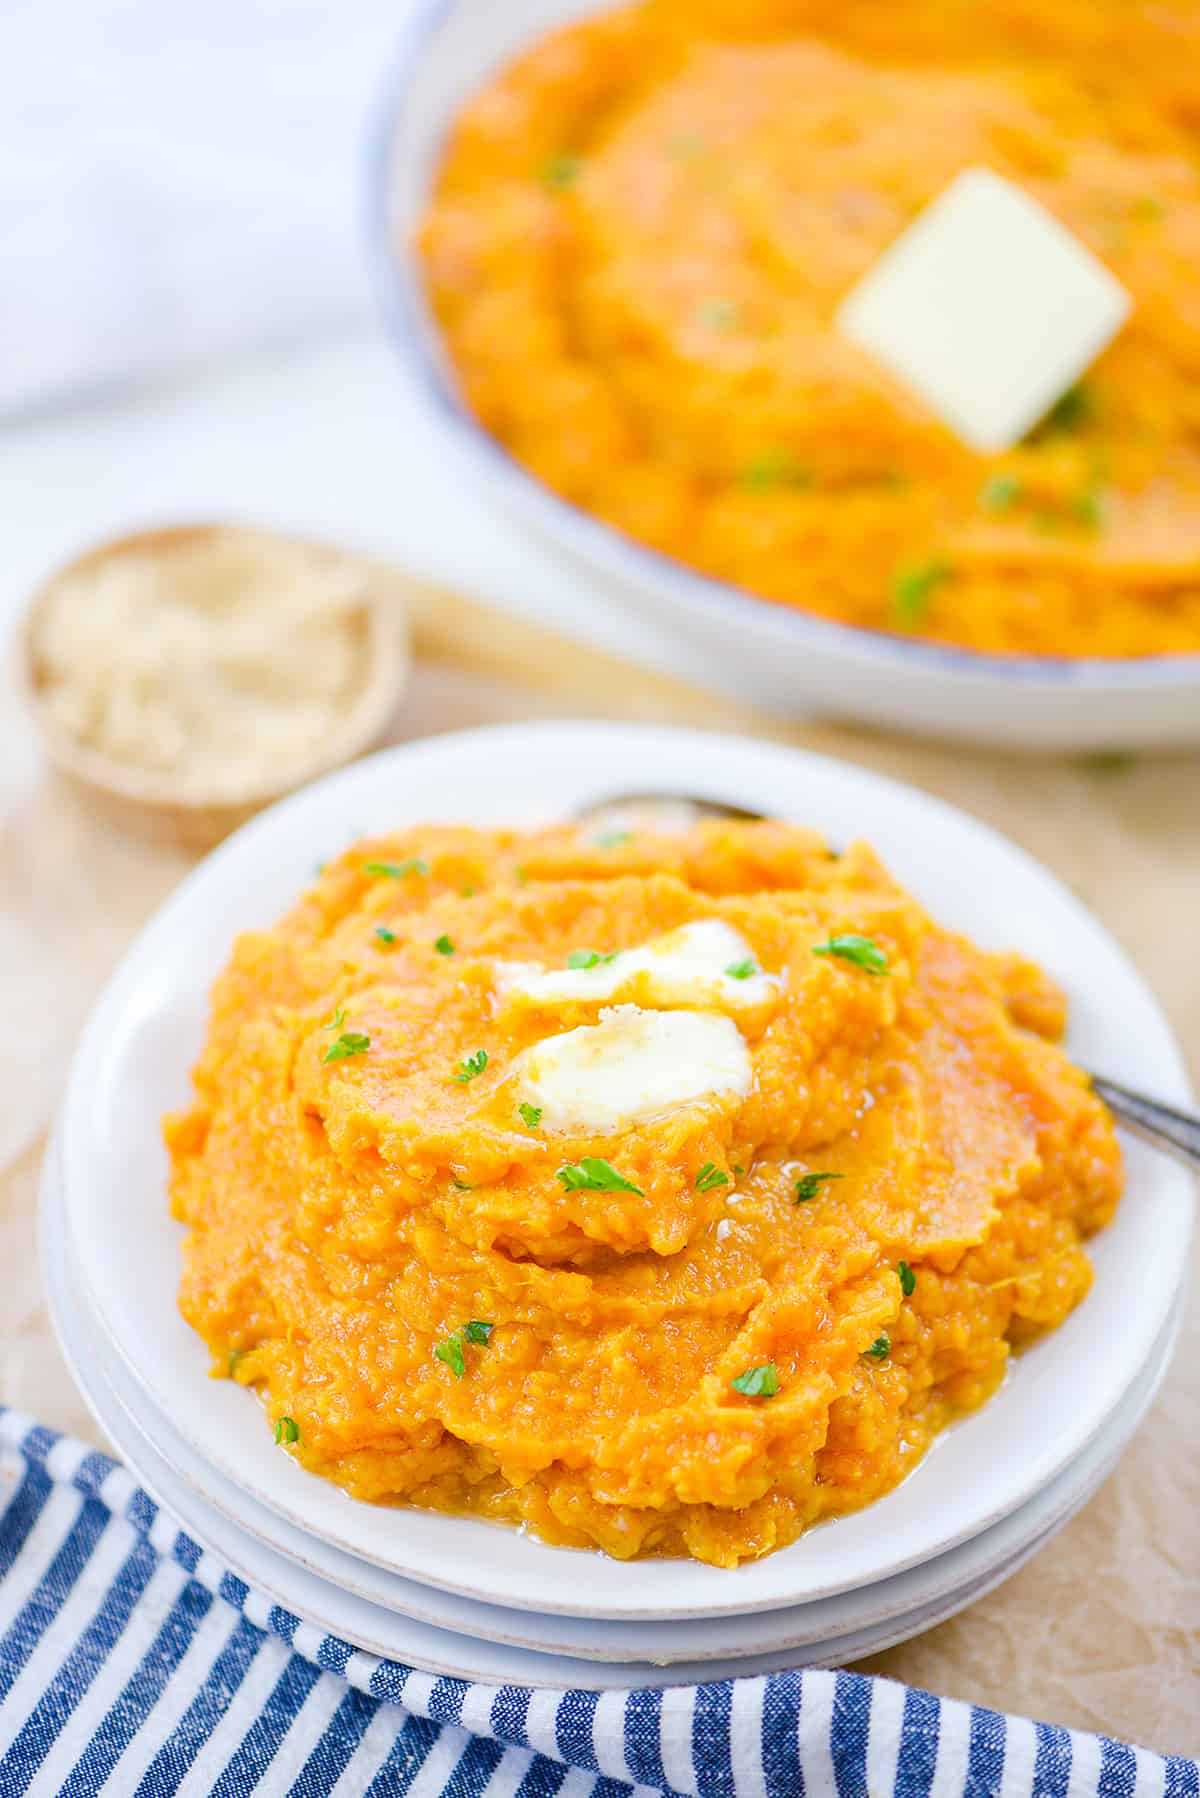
(133,1060)
(787,660)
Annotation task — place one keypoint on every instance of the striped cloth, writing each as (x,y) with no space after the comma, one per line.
(132,1662)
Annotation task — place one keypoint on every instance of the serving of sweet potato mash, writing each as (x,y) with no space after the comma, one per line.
(470,1262)
(642,231)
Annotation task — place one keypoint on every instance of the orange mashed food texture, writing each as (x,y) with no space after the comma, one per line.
(642,231)
(346,1216)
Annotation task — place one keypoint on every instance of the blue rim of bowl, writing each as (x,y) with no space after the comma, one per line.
(413,330)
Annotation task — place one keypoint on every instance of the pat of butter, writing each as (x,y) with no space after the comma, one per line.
(688,966)
(633,1064)
(987,308)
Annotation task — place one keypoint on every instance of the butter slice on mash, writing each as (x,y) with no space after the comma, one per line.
(631,1065)
(688,966)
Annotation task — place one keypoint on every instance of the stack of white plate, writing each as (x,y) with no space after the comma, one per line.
(463,1597)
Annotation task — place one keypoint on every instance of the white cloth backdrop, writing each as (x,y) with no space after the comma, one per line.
(178,178)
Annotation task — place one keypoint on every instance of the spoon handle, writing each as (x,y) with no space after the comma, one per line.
(1176,1131)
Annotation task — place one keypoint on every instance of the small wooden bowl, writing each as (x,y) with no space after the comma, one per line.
(168,807)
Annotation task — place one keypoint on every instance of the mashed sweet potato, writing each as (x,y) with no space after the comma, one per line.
(384,1244)
(642,231)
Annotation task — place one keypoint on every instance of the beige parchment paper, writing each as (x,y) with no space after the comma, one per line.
(1101,1630)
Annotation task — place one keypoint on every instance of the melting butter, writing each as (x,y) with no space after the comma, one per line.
(602,1077)
(688,966)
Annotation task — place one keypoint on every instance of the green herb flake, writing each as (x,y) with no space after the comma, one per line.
(809,1185)
(758,1382)
(531,1114)
(351,1042)
(476,1331)
(742,970)
(1071,411)
(908,1280)
(236,1356)
(594,1175)
(709,1177)
(337,1020)
(589,958)
(912,588)
(467,892)
(1109,761)
(396,870)
(287,1430)
(384,934)
(999,493)
(609,839)
(471,1066)
(1089,509)
(444,946)
(773,468)
(561,170)
(881,1348)
(861,950)
(717,314)
(461,1185)
(450,1350)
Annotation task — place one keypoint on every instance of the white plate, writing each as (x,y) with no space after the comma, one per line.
(132,1064)
(776,655)
(446,1634)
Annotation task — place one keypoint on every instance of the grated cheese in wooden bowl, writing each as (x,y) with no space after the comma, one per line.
(212,666)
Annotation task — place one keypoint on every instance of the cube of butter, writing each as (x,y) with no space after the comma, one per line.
(987,308)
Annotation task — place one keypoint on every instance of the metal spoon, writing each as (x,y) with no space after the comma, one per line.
(1176,1132)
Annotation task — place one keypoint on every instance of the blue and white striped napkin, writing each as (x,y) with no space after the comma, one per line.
(132,1662)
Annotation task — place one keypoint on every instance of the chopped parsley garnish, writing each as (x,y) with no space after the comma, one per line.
(444,946)
(809,1185)
(717,314)
(397,870)
(287,1430)
(236,1355)
(710,1176)
(913,587)
(472,1065)
(531,1114)
(384,934)
(1074,409)
(467,892)
(461,1185)
(1089,509)
(773,468)
(337,1020)
(908,1280)
(1109,761)
(561,169)
(881,1348)
(861,950)
(350,1042)
(758,1382)
(594,1175)
(742,970)
(999,492)
(589,958)
(450,1350)
(608,839)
